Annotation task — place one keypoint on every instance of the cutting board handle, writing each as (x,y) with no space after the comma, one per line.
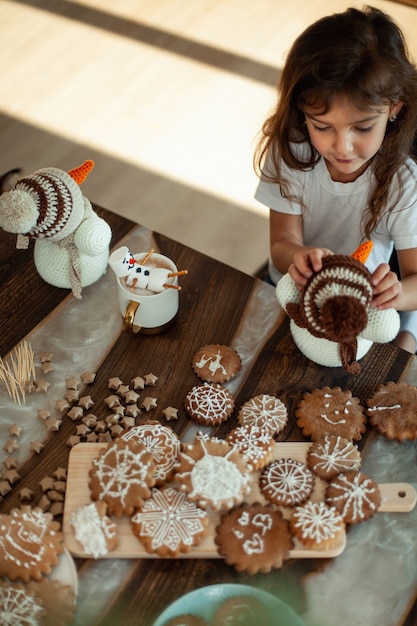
(397,497)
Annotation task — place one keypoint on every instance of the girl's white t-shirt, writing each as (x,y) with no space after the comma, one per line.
(334,211)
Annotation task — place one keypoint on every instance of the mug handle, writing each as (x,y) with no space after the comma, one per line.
(129,317)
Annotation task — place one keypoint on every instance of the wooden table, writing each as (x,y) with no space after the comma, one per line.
(218,304)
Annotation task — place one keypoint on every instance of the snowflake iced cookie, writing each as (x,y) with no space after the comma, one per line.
(264,411)
(213,473)
(355,495)
(255,444)
(169,523)
(331,411)
(286,482)
(209,404)
(30,543)
(254,538)
(216,363)
(317,525)
(122,476)
(94,530)
(162,443)
(392,409)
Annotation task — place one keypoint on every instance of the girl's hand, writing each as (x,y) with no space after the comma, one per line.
(387,288)
(305,263)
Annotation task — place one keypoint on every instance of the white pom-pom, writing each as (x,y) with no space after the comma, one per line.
(18,211)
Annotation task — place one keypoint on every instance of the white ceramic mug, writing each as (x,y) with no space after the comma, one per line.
(143,310)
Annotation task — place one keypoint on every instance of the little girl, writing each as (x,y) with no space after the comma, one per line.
(333,158)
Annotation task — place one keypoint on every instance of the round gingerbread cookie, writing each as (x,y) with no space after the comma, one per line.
(392,410)
(331,411)
(169,523)
(122,475)
(356,496)
(286,482)
(255,444)
(253,538)
(264,411)
(243,611)
(317,526)
(58,599)
(19,606)
(209,404)
(162,443)
(213,473)
(30,544)
(216,363)
(333,455)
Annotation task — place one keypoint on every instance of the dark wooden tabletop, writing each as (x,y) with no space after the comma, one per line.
(213,302)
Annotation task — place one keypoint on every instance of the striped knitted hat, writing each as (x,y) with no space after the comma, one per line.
(334,304)
(47,204)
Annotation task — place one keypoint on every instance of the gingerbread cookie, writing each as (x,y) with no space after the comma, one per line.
(121,476)
(30,544)
(317,526)
(255,444)
(253,538)
(243,611)
(392,409)
(209,404)
(169,523)
(213,473)
(20,607)
(58,600)
(264,411)
(216,363)
(355,495)
(286,482)
(329,411)
(162,443)
(332,455)
(94,530)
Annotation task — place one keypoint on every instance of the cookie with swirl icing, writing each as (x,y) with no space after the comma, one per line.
(331,411)
(332,455)
(286,482)
(209,404)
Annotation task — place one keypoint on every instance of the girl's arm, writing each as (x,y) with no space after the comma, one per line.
(389,290)
(287,249)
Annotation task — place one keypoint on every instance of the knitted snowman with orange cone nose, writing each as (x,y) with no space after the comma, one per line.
(71,241)
(332,320)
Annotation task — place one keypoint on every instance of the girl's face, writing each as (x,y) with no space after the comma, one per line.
(348,137)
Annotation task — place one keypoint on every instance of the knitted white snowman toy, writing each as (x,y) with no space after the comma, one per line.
(71,241)
(332,320)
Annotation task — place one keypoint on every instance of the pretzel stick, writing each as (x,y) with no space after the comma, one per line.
(146,257)
(180,273)
(177,287)
(133,285)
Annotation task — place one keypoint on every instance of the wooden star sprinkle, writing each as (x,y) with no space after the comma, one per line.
(137,383)
(53,424)
(171,413)
(88,377)
(73,382)
(36,446)
(149,403)
(46,357)
(15,430)
(150,379)
(114,383)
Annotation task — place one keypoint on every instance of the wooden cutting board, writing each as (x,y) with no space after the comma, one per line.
(400,497)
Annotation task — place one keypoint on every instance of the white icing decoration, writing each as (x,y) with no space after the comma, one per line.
(317,521)
(17,607)
(213,361)
(335,457)
(170,519)
(254,544)
(208,402)
(161,442)
(287,481)
(92,530)
(24,540)
(355,495)
(385,408)
(266,412)
(117,476)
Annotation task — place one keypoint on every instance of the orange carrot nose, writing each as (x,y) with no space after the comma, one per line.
(80,173)
(363,251)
